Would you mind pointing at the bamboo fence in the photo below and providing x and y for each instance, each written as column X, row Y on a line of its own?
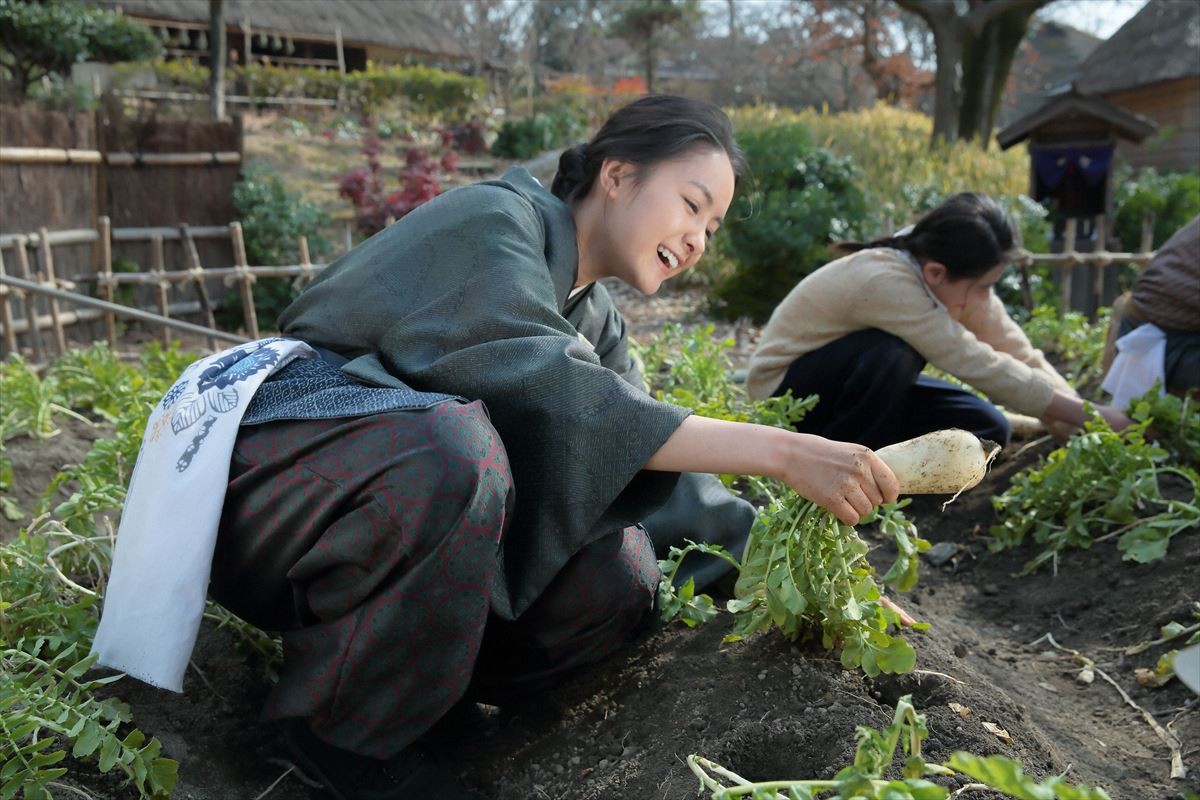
column 28, row 282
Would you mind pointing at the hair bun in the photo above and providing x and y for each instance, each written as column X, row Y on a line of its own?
column 572, row 171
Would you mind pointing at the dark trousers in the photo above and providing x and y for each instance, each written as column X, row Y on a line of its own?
column 371, row 544
column 872, row 392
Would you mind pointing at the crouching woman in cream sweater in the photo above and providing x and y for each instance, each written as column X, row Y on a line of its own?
column 859, row 330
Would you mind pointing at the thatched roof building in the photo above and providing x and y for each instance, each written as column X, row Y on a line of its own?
column 308, row 33
column 1159, row 43
column 1151, row 66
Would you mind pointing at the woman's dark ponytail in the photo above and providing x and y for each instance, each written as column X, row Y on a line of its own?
column 970, row 234
column 649, row 130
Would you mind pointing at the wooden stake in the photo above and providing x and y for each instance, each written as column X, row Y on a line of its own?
column 23, row 272
column 107, row 289
column 1098, row 267
column 47, row 259
column 305, row 277
column 10, row 336
column 158, row 261
column 1069, row 256
column 1147, row 245
column 245, row 280
column 194, row 267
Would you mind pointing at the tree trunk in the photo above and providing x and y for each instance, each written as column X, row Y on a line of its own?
column 987, row 60
column 948, row 45
column 649, row 61
column 216, row 38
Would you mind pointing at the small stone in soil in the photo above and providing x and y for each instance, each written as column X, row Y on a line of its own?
column 961, row 650
column 940, row 553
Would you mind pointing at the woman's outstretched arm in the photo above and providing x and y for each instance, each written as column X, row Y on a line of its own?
column 847, row 479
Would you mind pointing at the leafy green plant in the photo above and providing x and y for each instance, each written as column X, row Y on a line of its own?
column 803, row 571
column 53, row 574
column 46, row 703
column 1173, row 199
column 1175, row 420
column 1101, row 484
column 691, row 368
column 1071, row 340
column 864, row 779
column 682, row 601
column 552, row 127
column 273, row 220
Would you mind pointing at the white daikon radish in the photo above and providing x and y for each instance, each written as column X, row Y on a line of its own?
column 943, row 462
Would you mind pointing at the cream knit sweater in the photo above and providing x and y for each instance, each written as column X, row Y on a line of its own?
column 883, row 288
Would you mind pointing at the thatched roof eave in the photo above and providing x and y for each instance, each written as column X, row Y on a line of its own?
column 1075, row 105
column 396, row 24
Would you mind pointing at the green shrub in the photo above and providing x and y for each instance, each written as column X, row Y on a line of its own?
column 1173, row 199
column 797, row 199
column 557, row 126
column 273, row 219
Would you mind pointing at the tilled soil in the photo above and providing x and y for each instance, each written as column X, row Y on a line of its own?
column 768, row 708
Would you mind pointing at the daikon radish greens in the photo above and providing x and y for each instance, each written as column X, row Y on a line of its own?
column 803, row 570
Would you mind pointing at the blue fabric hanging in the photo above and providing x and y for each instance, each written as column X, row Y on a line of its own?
column 1053, row 164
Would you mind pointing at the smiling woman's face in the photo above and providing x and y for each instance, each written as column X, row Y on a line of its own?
column 660, row 221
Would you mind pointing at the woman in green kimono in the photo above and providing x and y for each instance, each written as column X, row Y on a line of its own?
column 420, row 558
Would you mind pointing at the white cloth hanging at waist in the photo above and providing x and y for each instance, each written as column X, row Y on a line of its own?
column 1139, row 363
column 163, row 555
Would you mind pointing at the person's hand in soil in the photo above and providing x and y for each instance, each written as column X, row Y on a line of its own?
column 1066, row 415
column 846, row 479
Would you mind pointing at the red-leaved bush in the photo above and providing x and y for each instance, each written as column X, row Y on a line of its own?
column 364, row 186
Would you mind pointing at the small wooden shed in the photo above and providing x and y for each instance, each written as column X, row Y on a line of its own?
column 1072, row 139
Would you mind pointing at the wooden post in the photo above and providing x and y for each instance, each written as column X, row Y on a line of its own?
column 341, row 59
column 10, row 336
column 347, row 238
column 35, row 335
column 1147, row 245
column 305, row 277
column 1099, row 266
column 1068, row 263
column 341, row 52
column 107, row 289
column 197, row 271
column 158, row 261
column 246, row 42
column 245, row 280
column 47, row 259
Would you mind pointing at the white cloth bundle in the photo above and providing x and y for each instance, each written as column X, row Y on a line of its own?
column 1139, row 363
column 164, row 550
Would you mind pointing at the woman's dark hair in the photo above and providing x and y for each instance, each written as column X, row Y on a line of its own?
column 970, row 234
column 649, row 130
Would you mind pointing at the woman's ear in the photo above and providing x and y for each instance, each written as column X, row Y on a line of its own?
column 614, row 173
column 934, row 272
